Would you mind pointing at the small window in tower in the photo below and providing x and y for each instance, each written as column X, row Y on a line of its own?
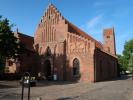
column 108, row 37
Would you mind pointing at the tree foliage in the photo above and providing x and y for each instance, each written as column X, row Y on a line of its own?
column 10, row 47
column 126, row 59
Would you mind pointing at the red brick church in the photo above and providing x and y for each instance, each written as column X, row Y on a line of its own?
column 71, row 54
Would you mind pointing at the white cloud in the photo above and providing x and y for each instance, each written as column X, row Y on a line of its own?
column 94, row 21
column 95, row 26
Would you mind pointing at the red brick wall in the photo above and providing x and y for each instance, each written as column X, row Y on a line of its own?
column 82, row 49
column 105, row 66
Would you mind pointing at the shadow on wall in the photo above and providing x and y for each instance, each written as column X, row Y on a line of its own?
column 60, row 67
column 60, row 64
column 70, row 73
column 29, row 62
column 105, row 66
column 32, row 63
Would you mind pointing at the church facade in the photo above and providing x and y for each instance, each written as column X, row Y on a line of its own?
column 71, row 54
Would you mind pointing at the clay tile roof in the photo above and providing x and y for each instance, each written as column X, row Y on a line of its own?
column 74, row 29
column 28, row 41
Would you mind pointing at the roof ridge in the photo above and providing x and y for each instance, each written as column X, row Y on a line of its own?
column 25, row 35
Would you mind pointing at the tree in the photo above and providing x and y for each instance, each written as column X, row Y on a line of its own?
column 126, row 60
column 122, row 63
column 128, row 51
column 10, row 47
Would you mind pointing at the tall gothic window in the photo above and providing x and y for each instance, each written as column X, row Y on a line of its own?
column 76, row 67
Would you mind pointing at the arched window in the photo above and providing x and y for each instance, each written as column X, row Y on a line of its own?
column 42, row 37
column 48, row 52
column 76, row 67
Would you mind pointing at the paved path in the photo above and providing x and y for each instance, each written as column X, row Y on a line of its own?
column 109, row 90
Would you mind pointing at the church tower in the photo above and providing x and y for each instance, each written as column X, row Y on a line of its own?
column 109, row 41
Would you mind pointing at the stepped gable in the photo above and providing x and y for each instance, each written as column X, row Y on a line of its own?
column 51, row 15
column 51, row 9
column 72, row 28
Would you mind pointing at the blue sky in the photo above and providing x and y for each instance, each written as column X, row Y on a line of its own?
column 92, row 16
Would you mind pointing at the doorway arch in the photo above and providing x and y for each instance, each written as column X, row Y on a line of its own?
column 76, row 67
